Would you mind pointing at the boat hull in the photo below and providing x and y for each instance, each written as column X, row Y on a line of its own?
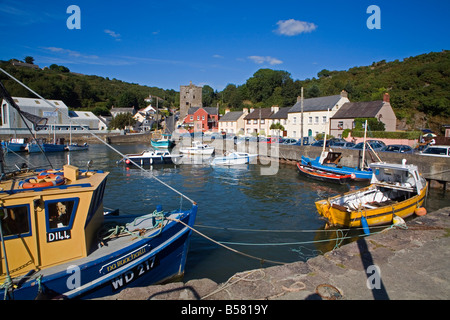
column 49, row 147
column 161, row 144
column 338, row 216
column 142, row 161
column 145, row 262
column 232, row 160
column 323, row 175
column 77, row 147
column 360, row 175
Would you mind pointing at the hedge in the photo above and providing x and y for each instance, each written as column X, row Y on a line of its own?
column 409, row 135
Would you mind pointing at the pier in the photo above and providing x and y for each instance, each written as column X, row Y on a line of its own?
column 406, row 263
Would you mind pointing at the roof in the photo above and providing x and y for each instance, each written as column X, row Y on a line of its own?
column 231, row 116
column 366, row 109
column 209, row 110
column 33, row 102
column 82, row 115
column 281, row 114
column 316, row 104
column 263, row 113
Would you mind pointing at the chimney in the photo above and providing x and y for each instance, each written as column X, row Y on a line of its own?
column 245, row 110
column 252, row 109
column 275, row 108
column 227, row 110
column 299, row 99
column 344, row 94
column 386, row 97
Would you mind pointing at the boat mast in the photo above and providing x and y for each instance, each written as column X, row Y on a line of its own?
column 364, row 145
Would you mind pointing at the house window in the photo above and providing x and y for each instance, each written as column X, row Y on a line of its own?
column 262, row 121
column 203, row 117
column 324, row 119
column 295, row 120
column 249, row 121
column 294, row 134
column 309, row 120
column 192, row 118
column 316, row 120
column 255, row 121
column 341, row 125
column 198, row 117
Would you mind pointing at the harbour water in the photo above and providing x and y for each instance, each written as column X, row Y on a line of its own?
column 266, row 219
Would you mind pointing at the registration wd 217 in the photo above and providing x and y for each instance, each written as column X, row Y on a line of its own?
column 227, row 309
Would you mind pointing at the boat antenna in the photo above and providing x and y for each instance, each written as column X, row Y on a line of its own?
column 100, row 139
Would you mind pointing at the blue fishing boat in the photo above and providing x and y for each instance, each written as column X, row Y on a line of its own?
column 329, row 161
column 14, row 145
column 52, row 147
column 71, row 249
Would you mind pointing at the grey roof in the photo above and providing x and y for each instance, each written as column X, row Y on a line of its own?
column 209, row 110
column 281, row 114
column 231, row 116
column 366, row 109
column 316, row 104
column 263, row 113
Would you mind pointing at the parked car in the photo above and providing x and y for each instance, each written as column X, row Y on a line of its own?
column 436, row 151
column 271, row 140
column 343, row 145
column 319, row 143
column 375, row 144
column 399, row 148
column 289, row 141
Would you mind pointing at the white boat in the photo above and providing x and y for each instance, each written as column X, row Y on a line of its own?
column 77, row 147
column 198, row 148
column 151, row 157
column 234, row 158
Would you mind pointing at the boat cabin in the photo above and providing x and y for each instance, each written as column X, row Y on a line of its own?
column 45, row 225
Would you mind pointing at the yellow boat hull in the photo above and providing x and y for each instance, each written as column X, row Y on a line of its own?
column 340, row 216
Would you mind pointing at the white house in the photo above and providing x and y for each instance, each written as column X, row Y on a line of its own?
column 233, row 121
column 316, row 115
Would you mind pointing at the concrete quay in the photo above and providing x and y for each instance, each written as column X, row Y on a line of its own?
column 410, row 263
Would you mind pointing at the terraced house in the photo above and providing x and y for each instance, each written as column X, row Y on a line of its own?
column 316, row 115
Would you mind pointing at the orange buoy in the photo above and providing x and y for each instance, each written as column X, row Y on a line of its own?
column 421, row 211
column 40, row 183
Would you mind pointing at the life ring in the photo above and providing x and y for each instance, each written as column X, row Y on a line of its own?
column 28, row 184
column 47, row 174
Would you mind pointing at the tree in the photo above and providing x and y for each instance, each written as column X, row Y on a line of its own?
column 29, row 60
column 122, row 120
column 127, row 100
column 277, row 126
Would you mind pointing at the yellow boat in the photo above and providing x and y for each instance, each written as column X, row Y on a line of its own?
column 395, row 190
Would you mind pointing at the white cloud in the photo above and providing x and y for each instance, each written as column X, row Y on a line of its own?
column 113, row 34
column 293, row 27
column 260, row 60
column 70, row 53
column 218, row 56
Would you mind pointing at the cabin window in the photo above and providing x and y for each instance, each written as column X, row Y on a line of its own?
column 15, row 221
column 60, row 213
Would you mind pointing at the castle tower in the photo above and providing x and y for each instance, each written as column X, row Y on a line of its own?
column 190, row 96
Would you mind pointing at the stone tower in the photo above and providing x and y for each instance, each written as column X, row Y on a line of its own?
column 190, row 96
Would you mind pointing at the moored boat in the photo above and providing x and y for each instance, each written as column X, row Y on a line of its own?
column 151, row 157
column 329, row 161
column 77, row 147
column 234, row 158
column 395, row 190
column 14, row 145
column 198, row 148
column 323, row 175
column 164, row 142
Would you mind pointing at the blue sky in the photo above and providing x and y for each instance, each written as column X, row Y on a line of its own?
column 169, row 43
